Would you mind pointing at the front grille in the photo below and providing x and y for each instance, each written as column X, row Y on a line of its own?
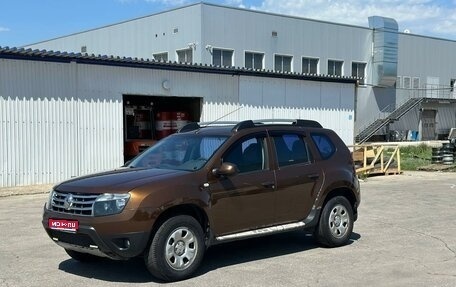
column 73, row 203
column 72, row 238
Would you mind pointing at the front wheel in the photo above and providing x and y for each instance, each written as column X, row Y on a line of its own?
column 177, row 249
column 336, row 223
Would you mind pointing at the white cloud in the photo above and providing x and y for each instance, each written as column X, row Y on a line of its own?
column 237, row 3
column 4, row 29
column 425, row 17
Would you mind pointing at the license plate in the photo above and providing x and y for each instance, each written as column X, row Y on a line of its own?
column 62, row 224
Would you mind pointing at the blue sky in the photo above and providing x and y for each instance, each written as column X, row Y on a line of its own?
column 25, row 22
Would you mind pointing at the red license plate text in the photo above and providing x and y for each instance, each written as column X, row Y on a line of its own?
column 62, row 224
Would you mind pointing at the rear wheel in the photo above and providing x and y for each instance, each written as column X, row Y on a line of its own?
column 336, row 223
column 82, row 257
column 177, row 249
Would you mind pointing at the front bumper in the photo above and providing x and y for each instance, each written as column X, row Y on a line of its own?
column 88, row 239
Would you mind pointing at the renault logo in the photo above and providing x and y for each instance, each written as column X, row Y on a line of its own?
column 68, row 201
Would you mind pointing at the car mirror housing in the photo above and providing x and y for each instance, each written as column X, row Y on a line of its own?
column 226, row 169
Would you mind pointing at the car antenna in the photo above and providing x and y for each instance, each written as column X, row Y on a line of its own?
column 216, row 120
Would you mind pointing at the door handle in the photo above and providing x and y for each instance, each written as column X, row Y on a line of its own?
column 313, row 176
column 268, row 184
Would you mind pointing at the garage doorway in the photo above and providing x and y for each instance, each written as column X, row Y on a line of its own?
column 148, row 119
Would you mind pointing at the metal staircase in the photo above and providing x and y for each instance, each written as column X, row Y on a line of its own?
column 370, row 130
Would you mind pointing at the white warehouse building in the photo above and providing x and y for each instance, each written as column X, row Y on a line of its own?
column 64, row 115
column 407, row 81
column 69, row 108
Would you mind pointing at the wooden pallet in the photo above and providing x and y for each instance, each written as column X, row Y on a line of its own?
column 373, row 160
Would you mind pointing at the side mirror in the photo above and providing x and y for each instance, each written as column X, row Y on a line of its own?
column 127, row 163
column 227, row 169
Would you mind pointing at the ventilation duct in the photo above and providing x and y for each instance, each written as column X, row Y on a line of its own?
column 385, row 50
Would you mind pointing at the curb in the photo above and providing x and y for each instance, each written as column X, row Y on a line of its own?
column 25, row 190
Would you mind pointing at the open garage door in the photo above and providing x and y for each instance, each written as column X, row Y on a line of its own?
column 148, row 119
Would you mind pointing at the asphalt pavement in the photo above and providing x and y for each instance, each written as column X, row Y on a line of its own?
column 405, row 236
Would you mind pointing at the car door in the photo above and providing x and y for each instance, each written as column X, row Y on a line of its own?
column 298, row 179
column 245, row 200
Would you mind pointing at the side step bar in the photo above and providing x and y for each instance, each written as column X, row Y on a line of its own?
column 262, row 231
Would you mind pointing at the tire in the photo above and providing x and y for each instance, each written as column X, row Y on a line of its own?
column 336, row 223
column 82, row 257
column 176, row 250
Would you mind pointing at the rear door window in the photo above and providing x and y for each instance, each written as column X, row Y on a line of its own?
column 290, row 149
column 324, row 145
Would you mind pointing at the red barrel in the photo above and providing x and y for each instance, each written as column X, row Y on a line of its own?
column 180, row 119
column 163, row 124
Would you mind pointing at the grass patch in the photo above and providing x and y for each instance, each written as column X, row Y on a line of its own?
column 413, row 157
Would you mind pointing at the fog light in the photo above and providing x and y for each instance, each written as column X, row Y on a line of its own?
column 127, row 243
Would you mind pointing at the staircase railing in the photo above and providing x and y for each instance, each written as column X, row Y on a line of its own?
column 381, row 115
column 393, row 116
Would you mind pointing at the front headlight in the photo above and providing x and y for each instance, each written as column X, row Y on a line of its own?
column 108, row 203
column 49, row 201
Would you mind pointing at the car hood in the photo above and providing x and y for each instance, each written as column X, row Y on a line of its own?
column 116, row 181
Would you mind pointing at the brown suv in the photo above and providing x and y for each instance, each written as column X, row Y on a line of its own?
column 207, row 185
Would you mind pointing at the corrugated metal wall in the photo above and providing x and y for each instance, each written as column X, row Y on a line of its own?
column 332, row 104
column 50, row 130
column 58, row 121
column 244, row 30
column 161, row 32
column 62, row 120
column 445, row 118
column 425, row 58
column 428, row 60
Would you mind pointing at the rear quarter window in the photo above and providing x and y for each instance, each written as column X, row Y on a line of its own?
column 324, row 145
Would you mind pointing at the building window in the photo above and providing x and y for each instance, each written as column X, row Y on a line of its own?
column 309, row 65
column 161, row 57
column 282, row 63
column 407, row 84
column 359, row 71
column 254, row 60
column 185, row 56
column 335, row 67
column 416, row 83
column 398, row 83
column 222, row 57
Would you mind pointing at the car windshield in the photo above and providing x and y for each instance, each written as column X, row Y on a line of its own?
column 180, row 152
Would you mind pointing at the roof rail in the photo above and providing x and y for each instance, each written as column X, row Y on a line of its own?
column 195, row 126
column 296, row 122
column 250, row 124
column 308, row 123
column 219, row 123
column 243, row 125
